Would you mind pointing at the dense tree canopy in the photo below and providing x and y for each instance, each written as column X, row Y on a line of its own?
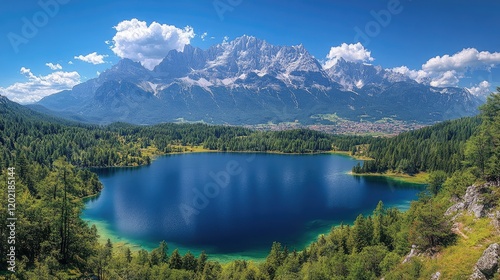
column 438, row 147
column 51, row 158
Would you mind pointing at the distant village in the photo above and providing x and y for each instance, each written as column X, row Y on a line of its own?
column 384, row 128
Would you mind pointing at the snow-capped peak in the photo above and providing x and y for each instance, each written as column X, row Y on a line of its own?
column 228, row 61
column 352, row 75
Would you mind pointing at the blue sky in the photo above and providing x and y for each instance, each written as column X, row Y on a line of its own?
column 51, row 45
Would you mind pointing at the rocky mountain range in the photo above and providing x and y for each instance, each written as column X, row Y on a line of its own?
column 249, row 81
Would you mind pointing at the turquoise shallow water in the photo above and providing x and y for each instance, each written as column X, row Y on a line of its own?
column 234, row 205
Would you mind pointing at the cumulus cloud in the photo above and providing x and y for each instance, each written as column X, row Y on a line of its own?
column 27, row 72
column 136, row 40
column 481, row 90
column 53, row 66
column 349, row 52
column 417, row 75
column 92, row 58
column 37, row 87
column 447, row 70
column 462, row 61
column 449, row 78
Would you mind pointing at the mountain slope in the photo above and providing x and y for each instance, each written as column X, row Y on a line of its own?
column 249, row 81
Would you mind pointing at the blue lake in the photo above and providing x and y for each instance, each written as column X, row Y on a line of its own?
column 234, row 205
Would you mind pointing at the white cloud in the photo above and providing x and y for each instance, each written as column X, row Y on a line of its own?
column 70, row 62
column 27, row 72
column 482, row 89
column 419, row 76
column 352, row 53
column 449, row 78
column 203, row 36
column 136, row 40
column 38, row 87
column 462, row 61
column 93, row 58
column 447, row 70
column 53, row 66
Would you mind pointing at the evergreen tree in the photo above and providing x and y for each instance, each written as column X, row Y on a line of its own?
column 175, row 261
column 430, row 227
column 202, row 260
column 160, row 255
column 189, row 262
column 436, row 181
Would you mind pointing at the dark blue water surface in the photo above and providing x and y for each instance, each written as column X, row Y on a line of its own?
column 237, row 203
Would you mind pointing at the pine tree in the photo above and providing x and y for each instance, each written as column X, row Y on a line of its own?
column 175, row 261
column 189, row 262
column 202, row 260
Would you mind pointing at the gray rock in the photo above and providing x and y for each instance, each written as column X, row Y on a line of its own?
column 477, row 275
column 455, row 208
column 488, row 262
column 413, row 252
column 436, row 276
column 495, row 219
column 472, row 202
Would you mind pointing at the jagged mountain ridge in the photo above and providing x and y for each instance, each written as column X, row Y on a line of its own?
column 354, row 76
column 249, row 81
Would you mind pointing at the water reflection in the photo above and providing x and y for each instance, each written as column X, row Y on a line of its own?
column 273, row 198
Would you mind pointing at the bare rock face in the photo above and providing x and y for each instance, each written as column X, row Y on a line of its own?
column 488, row 263
column 455, row 208
column 477, row 275
column 472, row 202
column 495, row 219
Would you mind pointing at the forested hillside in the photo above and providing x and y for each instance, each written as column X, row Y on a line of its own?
column 50, row 157
column 36, row 138
column 438, row 147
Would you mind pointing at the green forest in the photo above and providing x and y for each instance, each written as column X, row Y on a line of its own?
column 51, row 160
column 439, row 147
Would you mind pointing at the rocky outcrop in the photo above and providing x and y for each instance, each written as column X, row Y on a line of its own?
column 472, row 201
column 478, row 202
column 477, row 275
column 487, row 265
column 413, row 252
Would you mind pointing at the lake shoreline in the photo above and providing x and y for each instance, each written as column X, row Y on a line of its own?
column 420, row 178
column 200, row 149
column 135, row 245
